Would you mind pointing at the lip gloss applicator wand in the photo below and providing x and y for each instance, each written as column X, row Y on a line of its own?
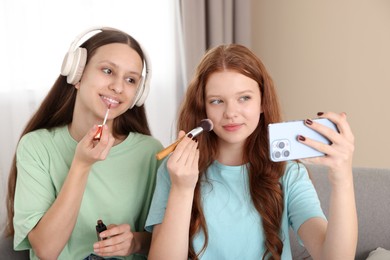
column 100, row 127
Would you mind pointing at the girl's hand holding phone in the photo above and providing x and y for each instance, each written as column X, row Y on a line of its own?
column 339, row 154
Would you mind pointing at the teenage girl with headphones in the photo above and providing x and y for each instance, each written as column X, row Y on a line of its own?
column 62, row 180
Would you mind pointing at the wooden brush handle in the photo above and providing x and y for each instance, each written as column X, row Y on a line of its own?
column 163, row 153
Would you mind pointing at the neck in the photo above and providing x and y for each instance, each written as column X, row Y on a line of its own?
column 230, row 154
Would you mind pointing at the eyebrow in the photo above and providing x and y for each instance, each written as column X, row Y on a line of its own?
column 238, row 93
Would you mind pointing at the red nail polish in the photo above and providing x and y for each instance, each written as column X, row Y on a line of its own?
column 301, row 138
column 320, row 113
column 309, row 122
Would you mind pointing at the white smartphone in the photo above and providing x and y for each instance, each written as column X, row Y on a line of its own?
column 283, row 143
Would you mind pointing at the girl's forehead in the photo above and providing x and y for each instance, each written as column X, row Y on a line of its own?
column 230, row 81
column 119, row 54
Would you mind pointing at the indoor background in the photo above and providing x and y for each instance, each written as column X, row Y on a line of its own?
column 331, row 55
column 323, row 55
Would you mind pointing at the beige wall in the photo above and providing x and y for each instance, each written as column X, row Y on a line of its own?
column 331, row 55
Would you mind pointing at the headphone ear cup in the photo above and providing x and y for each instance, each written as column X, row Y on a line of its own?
column 143, row 93
column 67, row 64
column 73, row 65
column 139, row 93
column 143, row 90
column 79, row 61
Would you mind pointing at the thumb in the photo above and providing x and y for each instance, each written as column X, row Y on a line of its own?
column 181, row 134
column 111, row 226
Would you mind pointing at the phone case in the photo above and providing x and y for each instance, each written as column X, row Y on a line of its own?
column 283, row 143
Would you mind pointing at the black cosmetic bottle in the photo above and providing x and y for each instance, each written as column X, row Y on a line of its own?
column 100, row 227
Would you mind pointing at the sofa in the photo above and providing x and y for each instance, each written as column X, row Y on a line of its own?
column 372, row 194
column 372, row 191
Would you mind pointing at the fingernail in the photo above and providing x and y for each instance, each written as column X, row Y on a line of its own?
column 301, row 138
column 320, row 113
column 309, row 122
column 189, row 135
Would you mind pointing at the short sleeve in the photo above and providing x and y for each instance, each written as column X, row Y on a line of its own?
column 34, row 189
column 300, row 196
column 160, row 197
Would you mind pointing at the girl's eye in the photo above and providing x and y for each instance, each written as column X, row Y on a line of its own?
column 131, row 80
column 245, row 98
column 216, row 101
column 107, row 71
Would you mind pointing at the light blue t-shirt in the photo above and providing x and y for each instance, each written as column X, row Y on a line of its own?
column 234, row 226
column 118, row 191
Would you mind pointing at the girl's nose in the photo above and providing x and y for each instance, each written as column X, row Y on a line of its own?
column 230, row 110
column 116, row 86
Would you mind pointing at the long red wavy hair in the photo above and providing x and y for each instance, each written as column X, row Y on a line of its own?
column 264, row 175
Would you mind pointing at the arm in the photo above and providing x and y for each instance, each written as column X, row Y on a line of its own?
column 171, row 238
column 62, row 215
column 336, row 239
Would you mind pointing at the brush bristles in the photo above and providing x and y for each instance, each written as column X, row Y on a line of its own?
column 206, row 124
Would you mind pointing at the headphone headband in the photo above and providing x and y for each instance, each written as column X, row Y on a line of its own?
column 76, row 58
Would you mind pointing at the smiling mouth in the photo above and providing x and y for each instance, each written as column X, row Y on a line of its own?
column 110, row 101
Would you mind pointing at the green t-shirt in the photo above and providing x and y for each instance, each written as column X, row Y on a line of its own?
column 119, row 189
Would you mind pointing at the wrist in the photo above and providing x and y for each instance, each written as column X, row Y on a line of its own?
column 182, row 192
column 341, row 178
column 80, row 167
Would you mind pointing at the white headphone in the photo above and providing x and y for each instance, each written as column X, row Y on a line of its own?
column 75, row 60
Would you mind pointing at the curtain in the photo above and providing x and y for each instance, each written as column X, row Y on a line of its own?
column 37, row 34
column 207, row 23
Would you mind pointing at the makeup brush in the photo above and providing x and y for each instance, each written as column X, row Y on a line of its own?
column 205, row 125
column 100, row 127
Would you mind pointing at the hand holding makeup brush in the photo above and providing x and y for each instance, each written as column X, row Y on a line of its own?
column 205, row 125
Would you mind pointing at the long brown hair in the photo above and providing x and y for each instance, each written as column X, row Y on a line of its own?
column 264, row 175
column 57, row 108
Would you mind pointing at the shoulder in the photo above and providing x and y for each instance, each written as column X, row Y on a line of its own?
column 294, row 172
column 43, row 140
column 147, row 140
column 35, row 135
column 33, row 146
column 35, row 139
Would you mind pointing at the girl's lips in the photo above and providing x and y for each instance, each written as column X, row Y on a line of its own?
column 231, row 128
column 110, row 101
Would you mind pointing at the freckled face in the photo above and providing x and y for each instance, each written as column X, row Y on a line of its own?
column 233, row 104
column 111, row 77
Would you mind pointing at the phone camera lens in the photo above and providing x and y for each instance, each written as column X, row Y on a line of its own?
column 286, row 153
column 277, row 154
column 281, row 145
